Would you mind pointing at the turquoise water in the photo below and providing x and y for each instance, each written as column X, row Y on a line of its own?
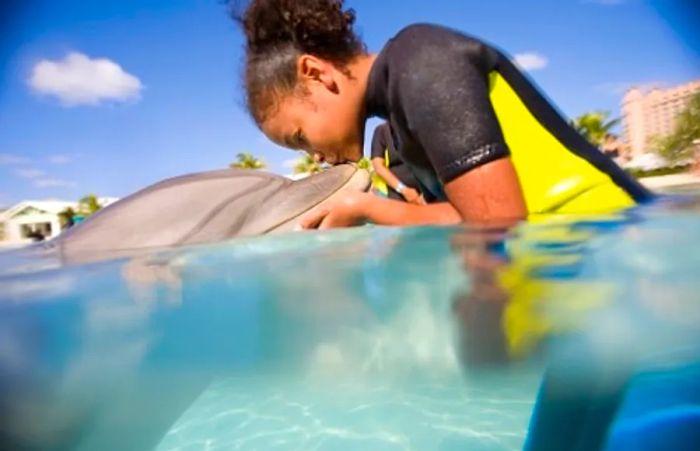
column 576, row 331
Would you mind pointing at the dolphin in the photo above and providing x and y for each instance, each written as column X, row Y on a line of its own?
column 202, row 208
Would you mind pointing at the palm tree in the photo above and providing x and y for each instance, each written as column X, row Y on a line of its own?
column 89, row 205
column 594, row 126
column 66, row 216
column 684, row 142
column 307, row 165
column 245, row 160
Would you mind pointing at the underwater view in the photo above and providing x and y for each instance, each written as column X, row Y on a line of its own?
column 349, row 225
column 567, row 333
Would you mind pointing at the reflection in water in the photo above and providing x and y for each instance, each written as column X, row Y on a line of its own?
column 525, row 286
column 555, row 292
column 480, row 311
column 422, row 338
column 526, row 292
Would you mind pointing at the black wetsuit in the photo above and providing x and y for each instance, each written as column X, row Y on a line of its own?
column 383, row 143
column 432, row 85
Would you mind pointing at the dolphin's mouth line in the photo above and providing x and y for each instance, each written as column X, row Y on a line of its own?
column 344, row 186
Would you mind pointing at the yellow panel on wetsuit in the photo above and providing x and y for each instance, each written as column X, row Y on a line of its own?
column 378, row 183
column 553, row 178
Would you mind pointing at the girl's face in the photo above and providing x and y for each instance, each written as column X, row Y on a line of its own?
column 325, row 118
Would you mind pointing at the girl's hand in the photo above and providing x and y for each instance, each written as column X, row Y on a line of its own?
column 347, row 211
column 412, row 196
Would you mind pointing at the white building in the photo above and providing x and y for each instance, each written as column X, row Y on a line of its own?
column 24, row 222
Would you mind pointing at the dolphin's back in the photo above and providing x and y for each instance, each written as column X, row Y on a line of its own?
column 201, row 208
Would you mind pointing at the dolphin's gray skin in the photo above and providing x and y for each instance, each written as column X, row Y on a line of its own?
column 204, row 208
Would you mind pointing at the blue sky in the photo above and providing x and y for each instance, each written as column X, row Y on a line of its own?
column 164, row 98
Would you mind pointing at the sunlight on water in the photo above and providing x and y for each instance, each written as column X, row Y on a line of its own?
column 372, row 338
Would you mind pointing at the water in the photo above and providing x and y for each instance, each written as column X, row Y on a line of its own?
column 572, row 332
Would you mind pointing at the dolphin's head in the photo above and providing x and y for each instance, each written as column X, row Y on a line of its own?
column 283, row 209
column 204, row 208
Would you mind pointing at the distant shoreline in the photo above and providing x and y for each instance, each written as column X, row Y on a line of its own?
column 671, row 181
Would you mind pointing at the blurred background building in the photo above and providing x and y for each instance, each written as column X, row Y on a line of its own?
column 652, row 113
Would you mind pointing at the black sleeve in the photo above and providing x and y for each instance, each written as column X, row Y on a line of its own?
column 444, row 94
column 379, row 143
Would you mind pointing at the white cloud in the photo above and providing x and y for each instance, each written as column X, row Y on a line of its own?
column 30, row 173
column 79, row 80
column 60, row 159
column 53, row 183
column 8, row 159
column 530, row 61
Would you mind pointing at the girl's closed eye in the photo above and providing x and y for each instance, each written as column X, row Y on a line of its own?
column 300, row 140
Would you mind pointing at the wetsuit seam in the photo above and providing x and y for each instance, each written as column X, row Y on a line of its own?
column 479, row 156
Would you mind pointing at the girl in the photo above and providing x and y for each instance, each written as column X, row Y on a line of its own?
column 484, row 144
column 396, row 181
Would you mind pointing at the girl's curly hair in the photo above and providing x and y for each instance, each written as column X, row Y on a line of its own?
column 278, row 32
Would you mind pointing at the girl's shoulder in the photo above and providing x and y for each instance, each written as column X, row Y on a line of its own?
column 427, row 33
column 422, row 42
column 425, row 47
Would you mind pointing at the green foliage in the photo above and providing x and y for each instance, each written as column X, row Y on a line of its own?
column 307, row 165
column 683, row 142
column 594, row 126
column 66, row 217
column 641, row 173
column 365, row 163
column 88, row 205
column 245, row 160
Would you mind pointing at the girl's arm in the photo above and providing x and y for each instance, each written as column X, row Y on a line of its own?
column 410, row 194
column 357, row 208
column 488, row 192
column 385, row 173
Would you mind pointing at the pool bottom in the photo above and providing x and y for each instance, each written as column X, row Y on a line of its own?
column 250, row 413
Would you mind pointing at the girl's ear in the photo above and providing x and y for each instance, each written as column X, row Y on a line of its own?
column 311, row 69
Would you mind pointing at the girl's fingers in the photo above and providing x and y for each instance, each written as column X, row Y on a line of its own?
column 314, row 219
column 325, row 223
